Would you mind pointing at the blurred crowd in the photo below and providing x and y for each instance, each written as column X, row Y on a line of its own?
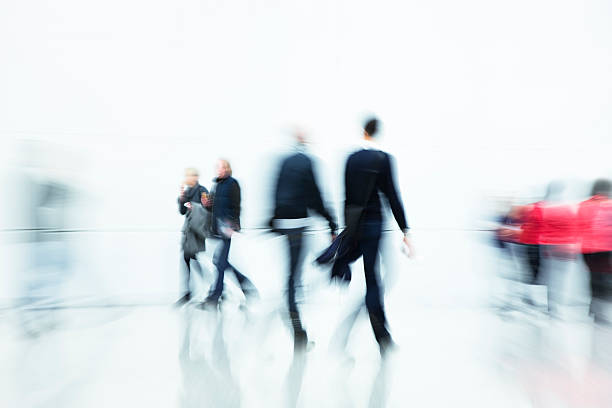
column 548, row 238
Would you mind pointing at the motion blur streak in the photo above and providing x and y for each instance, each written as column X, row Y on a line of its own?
column 496, row 117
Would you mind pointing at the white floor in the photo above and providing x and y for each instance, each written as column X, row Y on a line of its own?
column 160, row 356
column 456, row 348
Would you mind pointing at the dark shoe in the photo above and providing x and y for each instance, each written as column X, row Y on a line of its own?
column 209, row 304
column 387, row 347
column 183, row 300
column 251, row 294
column 301, row 343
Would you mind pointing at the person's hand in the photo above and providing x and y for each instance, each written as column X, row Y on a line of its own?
column 333, row 236
column 207, row 201
column 503, row 233
column 408, row 246
column 188, row 205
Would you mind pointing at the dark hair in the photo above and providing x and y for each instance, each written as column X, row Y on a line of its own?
column 371, row 126
column 601, row 187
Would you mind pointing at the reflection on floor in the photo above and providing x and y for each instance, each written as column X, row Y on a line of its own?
column 161, row 356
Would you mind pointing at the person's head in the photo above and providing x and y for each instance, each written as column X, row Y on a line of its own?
column 602, row 187
column 300, row 136
column 223, row 168
column 370, row 128
column 191, row 176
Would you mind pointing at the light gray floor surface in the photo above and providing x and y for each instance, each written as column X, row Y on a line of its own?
column 161, row 356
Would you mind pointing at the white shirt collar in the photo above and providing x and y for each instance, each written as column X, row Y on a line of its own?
column 370, row 145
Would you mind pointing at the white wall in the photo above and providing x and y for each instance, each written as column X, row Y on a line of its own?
column 476, row 96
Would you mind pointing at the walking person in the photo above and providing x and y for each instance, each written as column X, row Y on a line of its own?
column 191, row 194
column 224, row 204
column 531, row 225
column 595, row 234
column 531, row 229
column 295, row 193
column 369, row 172
column 548, row 237
column 558, row 240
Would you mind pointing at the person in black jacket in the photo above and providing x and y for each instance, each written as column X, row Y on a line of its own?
column 364, row 167
column 191, row 191
column 224, row 204
column 296, row 192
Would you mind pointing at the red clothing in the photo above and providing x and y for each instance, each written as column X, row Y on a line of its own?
column 508, row 234
column 595, row 224
column 532, row 223
column 558, row 225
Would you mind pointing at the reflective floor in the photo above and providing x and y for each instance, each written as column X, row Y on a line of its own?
column 163, row 356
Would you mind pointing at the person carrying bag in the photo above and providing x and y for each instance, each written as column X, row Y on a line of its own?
column 347, row 239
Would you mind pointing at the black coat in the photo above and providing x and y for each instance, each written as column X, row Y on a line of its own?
column 225, row 204
column 297, row 191
column 359, row 168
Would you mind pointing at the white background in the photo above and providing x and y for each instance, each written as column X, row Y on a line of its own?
column 117, row 97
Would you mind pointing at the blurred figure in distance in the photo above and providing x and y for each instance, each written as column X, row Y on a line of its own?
column 224, row 204
column 558, row 243
column 595, row 233
column 190, row 192
column 297, row 192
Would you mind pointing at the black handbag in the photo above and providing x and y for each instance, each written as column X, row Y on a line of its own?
column 347, row 239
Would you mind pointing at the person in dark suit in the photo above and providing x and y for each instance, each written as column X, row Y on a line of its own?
column 224, row 203
column 191, row 191
column 297, row 192
column 364, row 167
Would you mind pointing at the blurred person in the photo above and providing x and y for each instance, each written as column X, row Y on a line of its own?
column 558, row 242
column 505, row 229
column 296, row 192
column 531, row 227
column 50, row 256
column 224, row 205
column 506, row 235
column 595, row 234
column 508, row 231
column 368, row 171
column 191, row 192
column 531, row 223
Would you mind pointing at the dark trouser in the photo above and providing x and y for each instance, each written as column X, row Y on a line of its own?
column 367, row 245
column 187, row 275
column 221, row 263
column 295, row 239
column 600, row 271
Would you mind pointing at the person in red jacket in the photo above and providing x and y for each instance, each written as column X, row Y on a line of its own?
column 529, row 237
column 558, row 241
column 595, row 235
